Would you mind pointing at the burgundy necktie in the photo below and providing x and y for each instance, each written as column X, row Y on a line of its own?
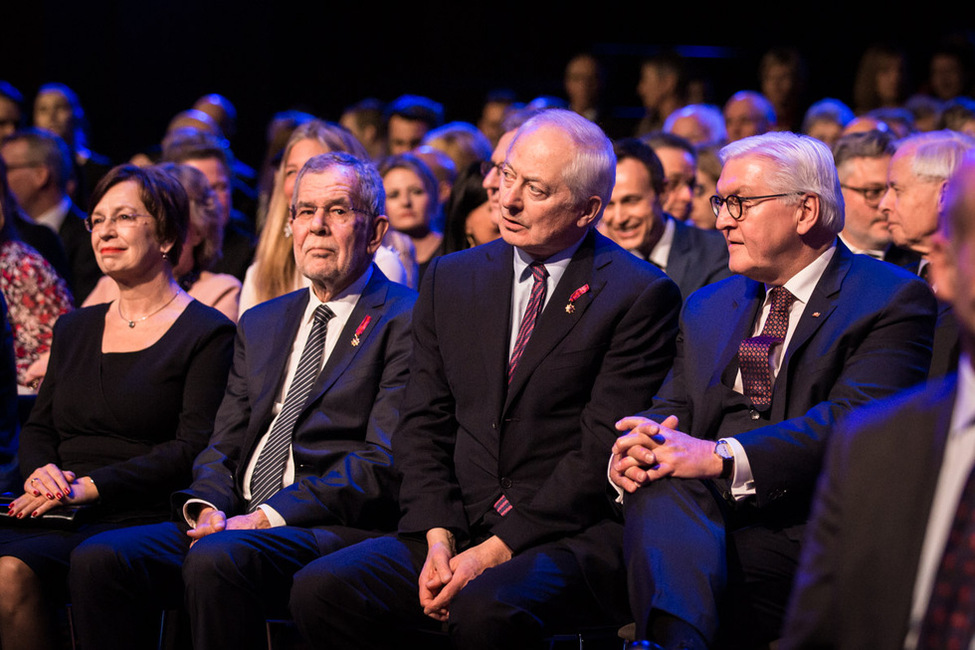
column 950, row 619
column 535, row 303
column 753, row 353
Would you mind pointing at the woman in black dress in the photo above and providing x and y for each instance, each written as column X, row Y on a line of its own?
column 128, row 401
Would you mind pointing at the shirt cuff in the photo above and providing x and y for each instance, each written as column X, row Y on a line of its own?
column 742, row 481
column 272, row 515
column 192, row 508
column 619, row 490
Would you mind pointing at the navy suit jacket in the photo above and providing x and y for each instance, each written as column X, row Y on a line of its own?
column 697, row 258
column 855, row 584
column 865, row 334
column 467, row 438
column 342, row 438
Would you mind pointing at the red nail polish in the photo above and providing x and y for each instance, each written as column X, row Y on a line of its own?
column 49, row 496
column 36, row 493
column 58, row 495
column 20, row 516
column 33, row 514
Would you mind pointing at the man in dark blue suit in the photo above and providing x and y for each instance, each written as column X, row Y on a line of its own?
column 526, row 350
column 893, row 487
column 719, row 472
column 636, row 221
column 300, row 462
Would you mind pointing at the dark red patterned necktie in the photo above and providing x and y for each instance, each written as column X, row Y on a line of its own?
column 535, row 303
column 950, row 619
column 753, row 353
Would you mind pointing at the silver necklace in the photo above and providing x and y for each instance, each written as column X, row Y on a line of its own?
column 139, row 320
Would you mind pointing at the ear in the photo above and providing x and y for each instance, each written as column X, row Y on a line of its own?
column 807, row 213
column 942, row 195
column 943, row 267
column 591, row 209
column 378, row 228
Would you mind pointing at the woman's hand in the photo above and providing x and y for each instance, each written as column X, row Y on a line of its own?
column 35, row 502
column 49, row 482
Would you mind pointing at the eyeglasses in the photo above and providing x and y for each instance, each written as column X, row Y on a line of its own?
column 122, row 220
column 734, row 202
column 336, row 215
column 869, row 194
column 488, row 165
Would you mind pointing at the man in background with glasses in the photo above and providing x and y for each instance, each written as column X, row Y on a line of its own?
column 718, row 473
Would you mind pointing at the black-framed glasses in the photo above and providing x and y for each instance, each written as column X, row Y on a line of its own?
column 869, row 194
column 735, row 202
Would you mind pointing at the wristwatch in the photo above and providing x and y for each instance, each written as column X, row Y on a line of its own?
column 723, row 451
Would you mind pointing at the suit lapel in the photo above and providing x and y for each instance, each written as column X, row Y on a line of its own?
column 491, row 284
column 369, row 306
column 681, row 255
column 555, row 322
column 742, row 312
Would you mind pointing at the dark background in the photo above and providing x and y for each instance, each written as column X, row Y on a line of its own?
column 136, row 64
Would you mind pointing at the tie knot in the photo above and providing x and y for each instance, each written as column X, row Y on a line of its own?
column 323, row 314
column 539, row 272
column 781, row 299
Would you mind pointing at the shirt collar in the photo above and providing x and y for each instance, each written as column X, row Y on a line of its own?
column 802, row 284
column 344, row 302
column 560, row 260
column 661, row 250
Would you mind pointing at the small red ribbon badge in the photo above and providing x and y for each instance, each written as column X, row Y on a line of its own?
column 359, row 330
column 571, row 307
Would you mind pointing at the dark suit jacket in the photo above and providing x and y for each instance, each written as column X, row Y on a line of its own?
column 544, row 442
column 697, row 258
column 855, row 584
column 81, row 257
column 865, row 334
column 341, row 441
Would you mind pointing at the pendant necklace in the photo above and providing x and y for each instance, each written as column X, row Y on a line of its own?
column 139, row 320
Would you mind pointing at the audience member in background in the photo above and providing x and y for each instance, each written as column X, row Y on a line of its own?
column 461, row 141
column 364, row 120
column 412, row 201
column 635, row 219
column 959, row 115
column 469, row 219
column 782, row 80
column 36, row 295
column 662, row 90
column 11, row 109
column 408, row 119
column 916, row 182
column 39, row 170
column 900, row 120
column 881, row 79
column 495, row 109
column 274, row 271
column 679, row 159
column 826, row 119
column 209, row 154
column 708, row 172
column 57, row 109
column 862, row 160
column 583, row 83
column 748, row 113
column 950, row 69
column 279, row 131
column 699, row 124
column 926, row 111
column 128, row 401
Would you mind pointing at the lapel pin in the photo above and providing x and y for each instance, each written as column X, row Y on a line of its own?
column 815, row 314
column 571, row 307
column 359, row 330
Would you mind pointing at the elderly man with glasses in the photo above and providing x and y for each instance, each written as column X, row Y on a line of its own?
column 718, row 473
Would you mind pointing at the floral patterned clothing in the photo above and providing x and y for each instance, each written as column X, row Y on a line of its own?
column 36, row 296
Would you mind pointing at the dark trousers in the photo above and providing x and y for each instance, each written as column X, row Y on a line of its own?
column 691, row 554
column 230, row 582
column 366, row 596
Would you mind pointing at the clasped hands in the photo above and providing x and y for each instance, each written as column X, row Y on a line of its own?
column 49, row 487
column 649, row 451
column 446, row 572
column 210, row 520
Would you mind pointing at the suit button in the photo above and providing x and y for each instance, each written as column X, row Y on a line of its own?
column 753, row 414
column 494, row 425
column 506, row 483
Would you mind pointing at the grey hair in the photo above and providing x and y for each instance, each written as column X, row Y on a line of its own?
column 368, row 191
column 592, row 171
column 802, row 164
column 937, row 154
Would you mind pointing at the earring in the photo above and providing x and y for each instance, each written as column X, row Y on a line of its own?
column 287, row 231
